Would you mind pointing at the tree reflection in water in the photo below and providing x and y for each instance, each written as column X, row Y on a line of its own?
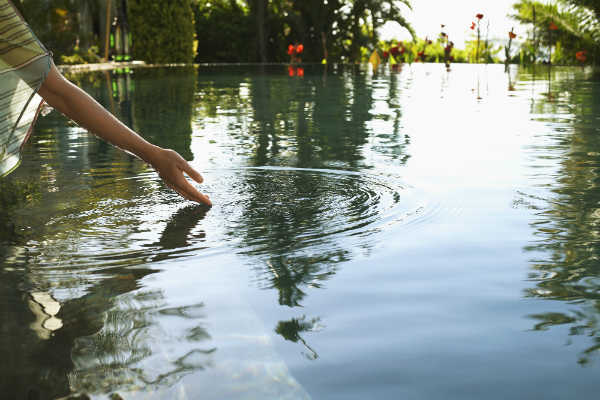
column 292, row 224
column 76, row 312
column 290, row 330
column 104, row 339
column 566, row 213
column 76, row 316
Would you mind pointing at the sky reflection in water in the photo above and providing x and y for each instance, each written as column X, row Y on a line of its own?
column 402, row 234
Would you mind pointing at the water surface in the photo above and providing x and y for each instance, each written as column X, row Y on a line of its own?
column 420, row 234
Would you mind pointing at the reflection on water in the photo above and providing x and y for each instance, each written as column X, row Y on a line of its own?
column 103, row 339
column 93, row 231
column 111, row 283
column 290, row 330
column 302, row 223
column 102, row 333
column 565, row 204
column 75, row 317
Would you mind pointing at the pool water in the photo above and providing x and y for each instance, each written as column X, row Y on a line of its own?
column 413, row 234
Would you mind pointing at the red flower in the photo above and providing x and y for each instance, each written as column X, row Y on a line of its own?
column 553, row 26
column 394, row 50
column 291, row 71
column 402, row 49
column 512, row 35
column 300, row 71
column 291, row 49
column 479, row 16
column 472, row 25
column 386, row 54
column 581, row 56
column 299, row 48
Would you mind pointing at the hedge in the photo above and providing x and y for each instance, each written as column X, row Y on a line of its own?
column 162, row 31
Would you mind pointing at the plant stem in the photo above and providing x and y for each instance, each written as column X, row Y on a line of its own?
column 534, row 38
column 477, row 50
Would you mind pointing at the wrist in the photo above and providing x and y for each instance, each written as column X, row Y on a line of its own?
column 150, row 153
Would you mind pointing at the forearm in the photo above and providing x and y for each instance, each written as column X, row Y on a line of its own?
column 83, row 109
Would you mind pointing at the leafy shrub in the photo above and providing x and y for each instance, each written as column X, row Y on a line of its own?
column 55, row 23
column 79, row 57
column 163, row 31
column 224, row 30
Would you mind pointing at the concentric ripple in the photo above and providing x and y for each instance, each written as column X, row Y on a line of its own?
column 312, row 215
column 275, row 210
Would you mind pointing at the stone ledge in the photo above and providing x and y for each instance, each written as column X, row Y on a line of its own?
column 100, row 66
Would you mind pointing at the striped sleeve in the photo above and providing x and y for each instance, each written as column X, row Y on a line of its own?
column 24, row 64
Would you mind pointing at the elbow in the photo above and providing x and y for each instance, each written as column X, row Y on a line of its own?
column 54, row 89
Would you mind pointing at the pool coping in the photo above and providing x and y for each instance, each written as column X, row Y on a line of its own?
column 76, row 68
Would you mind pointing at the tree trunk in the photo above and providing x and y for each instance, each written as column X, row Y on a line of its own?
column 260, row 12
column 358, row 12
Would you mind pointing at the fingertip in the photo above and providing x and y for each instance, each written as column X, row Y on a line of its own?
column 205, row 200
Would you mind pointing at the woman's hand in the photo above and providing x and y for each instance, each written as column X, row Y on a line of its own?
column 170, row 167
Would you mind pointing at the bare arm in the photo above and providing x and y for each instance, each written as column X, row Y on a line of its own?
column 83, row 109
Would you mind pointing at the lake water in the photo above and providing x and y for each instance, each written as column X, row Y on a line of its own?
column 416, row 234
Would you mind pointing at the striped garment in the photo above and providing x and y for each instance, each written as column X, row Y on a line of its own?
column 24, row 64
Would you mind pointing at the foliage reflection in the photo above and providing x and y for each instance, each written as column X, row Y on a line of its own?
column 80, row 247
column 76, row 315
column 566, row 214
